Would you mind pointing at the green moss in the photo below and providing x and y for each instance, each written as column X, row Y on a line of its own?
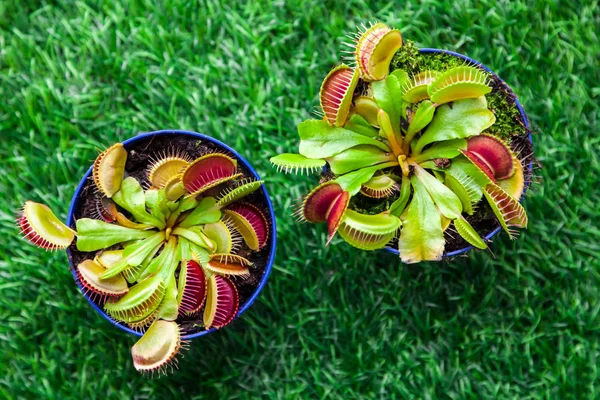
column 370, row 206
column 508, row 117
column 411, row 60
column 500, row 100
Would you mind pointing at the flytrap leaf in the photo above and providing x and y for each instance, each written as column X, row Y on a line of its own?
column 386, row 94
column 157, row 203
column 494, row 153
column 89, row 274
column 251, row 223
column 467, row 232
column 415, row 89
column 169, row 307
column 367, row 108
column 207, row 172
column 225, row 237
column 374, row 50
column 234, row 194
column 108, row 258
column 134, row 254
column 398, row 206
column 516, row 183
column 445, row 149
column 423, row 116
column 163, row 169
column 446, row 201
column 109, row 169
column 174, row 188
column 353, row 181
column 460, row 191
column 507, row 209
column 222, row 302
column 294, row 163
column 368, row 232
column 195, row 235
column 206, row 212
column 336, row 94
column 470, row 176
column 379, row 187
column 358, row 157
column 131, row 197
column 463, row 119
column 192, row 288
column 157, row 348
column 141, row 300
column 42, row 228
column 93, row 235
column 318, row 139
column 422, row 236
column 336, row 213
column 106, row 209
column 318, row 202
column 464, row 82
column 228, row 264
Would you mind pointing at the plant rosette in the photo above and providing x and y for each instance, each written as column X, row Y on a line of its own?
column 170, row 235
column 423, row 152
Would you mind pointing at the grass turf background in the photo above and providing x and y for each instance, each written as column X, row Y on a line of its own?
column 331, row 322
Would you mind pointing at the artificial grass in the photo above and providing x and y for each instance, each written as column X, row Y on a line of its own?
column 332, row 322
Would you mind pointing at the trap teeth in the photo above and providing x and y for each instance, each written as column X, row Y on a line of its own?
column 335, row 214
column 158, row 347
column 106, row 210
column 494, row 153
column 89, row 273
column 251, row 223
column 415, row 89
column 318, row 202
column 207, row 172
column 464, row 82
column 375, row 49
column 109, row 169
column 379, row 187
column 192, row 288
column 222, row 302
column 336, row 94
column 42, row 228
column 163, row 170
column 229, row 265
column 368, row 232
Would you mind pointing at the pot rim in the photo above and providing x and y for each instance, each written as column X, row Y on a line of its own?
column 493, row 233
column 272, row 240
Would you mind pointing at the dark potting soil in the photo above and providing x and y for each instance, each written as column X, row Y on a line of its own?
column 509, row 126
column 140, row 155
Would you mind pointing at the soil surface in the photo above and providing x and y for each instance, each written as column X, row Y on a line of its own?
column 140, row 155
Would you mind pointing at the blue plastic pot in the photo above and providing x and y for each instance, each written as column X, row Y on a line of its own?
column 525, row 120
column 196, row 136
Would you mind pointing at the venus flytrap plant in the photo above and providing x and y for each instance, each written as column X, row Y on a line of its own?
column 417, row 145
column 162, row 254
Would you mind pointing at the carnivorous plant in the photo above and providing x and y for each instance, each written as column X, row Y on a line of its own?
column 163, row 252
column 419, row 141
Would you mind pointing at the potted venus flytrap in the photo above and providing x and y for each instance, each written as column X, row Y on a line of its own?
column 420, row 152
column 167, row 237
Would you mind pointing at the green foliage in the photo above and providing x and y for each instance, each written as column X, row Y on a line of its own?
column 462, row 119
column 318, row 139
column 421, row 237
column 95, row 235
column 429, row 116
